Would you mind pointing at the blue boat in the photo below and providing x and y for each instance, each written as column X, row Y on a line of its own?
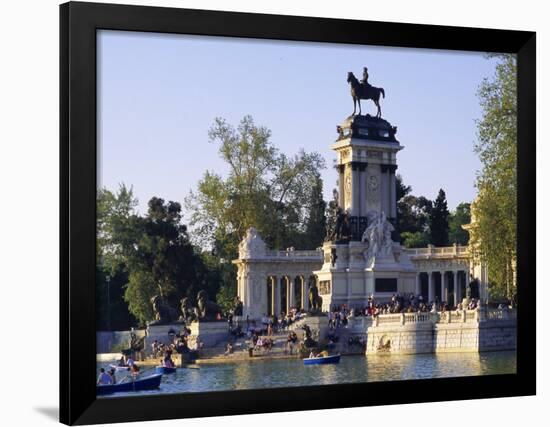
column 324, row 360
column 148, row 383
column 165, row 370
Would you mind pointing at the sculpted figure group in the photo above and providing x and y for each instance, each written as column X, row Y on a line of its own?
column 378, row 235
column 206, row 310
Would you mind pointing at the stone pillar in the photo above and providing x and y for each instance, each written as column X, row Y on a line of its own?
column 458, row 293
column 431, row 287
column 418, row 289
column 291, row 296
column 305, row 294
column 443, row 286
column 273, row 294
column 354, row 200
column 393, row 196
column 277, row 296
column 385, row 189
column 341, row 185
column 362, row 176
column 467, row 275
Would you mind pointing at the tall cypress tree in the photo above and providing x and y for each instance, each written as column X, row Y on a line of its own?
column 316, row 221
column 439, row 221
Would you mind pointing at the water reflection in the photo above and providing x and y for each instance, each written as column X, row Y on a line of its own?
column 351, row 369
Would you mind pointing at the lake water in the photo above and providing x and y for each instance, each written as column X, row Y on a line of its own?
column 351, row 369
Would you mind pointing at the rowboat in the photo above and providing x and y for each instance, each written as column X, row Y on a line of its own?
column 324, row 360
column 165, row 370
column 149, row 383
column 120, row 368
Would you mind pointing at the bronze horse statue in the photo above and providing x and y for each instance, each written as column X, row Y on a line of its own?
column 361, row 91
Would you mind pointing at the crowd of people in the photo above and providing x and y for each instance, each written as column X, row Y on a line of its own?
column 399, row 303
column 108, row 376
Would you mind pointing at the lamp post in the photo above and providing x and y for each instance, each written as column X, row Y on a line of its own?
column 108, row 280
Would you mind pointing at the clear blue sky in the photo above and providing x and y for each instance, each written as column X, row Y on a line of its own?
column 159, row 94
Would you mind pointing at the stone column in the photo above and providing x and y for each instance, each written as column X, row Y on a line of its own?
column 291, row 297
column 458, row 293
column 431, row 287
column 277, row 298
column 444, row 285
column 362, row 176
column 393, row 197
column 305, row 294
column 385, row 188
column 467, row 274
column 354, row 206
column 418, row 289
column 273, row 294
column 341, row 185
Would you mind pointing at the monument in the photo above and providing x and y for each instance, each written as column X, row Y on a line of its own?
column 361, row 259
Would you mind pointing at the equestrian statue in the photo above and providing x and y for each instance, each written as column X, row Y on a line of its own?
column 364, row 90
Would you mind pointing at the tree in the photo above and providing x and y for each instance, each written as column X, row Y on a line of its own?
column 413, row 214
column 114, row 211
column 277, row 194
column 493, row 232
column 264, row 189
column 315, row 228
column 415, row 240
column 439, row 221
column 162, row 260
column 114, row 232
column 458, row 218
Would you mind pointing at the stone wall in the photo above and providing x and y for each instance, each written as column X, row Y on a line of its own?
column 460, row 331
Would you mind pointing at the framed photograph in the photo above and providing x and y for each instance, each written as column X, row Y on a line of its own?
column 267, row 213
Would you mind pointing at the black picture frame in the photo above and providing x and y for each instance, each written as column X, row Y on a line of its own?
column 78, row 25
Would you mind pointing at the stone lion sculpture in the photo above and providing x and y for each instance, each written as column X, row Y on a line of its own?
column 315, row 300
column 207, row 310
column 163, row 312
column 188, row 313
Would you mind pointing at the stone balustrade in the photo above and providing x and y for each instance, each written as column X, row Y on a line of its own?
column 432, row 251
column 317, row 254
column 458, row 316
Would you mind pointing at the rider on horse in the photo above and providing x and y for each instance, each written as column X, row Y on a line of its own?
column 365, row 80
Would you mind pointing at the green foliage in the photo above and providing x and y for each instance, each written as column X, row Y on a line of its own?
column 439, row 221
column 495, row 210
column 226, row 296
column 279, row 195
column 415, row 240
column 413, row 215
column 112, row 310
column 458, row 218
column 163, row 261
column 264, row 189
column 315, row 220
column 114, row 230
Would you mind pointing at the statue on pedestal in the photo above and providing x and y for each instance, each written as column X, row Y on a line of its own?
column 315, row 300
column 207, row 310
column 364, row 90
column 237, row 307
column 163, row 312
column 188, row 314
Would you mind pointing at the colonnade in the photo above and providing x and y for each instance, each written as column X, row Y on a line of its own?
column 286, row 292
column 444, row 285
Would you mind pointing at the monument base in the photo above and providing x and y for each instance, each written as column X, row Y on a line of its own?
column 209, row 334
column 350, row 275
column 162, row 333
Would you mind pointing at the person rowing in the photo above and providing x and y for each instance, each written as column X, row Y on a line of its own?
column 168, row 362
column 104, row 378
